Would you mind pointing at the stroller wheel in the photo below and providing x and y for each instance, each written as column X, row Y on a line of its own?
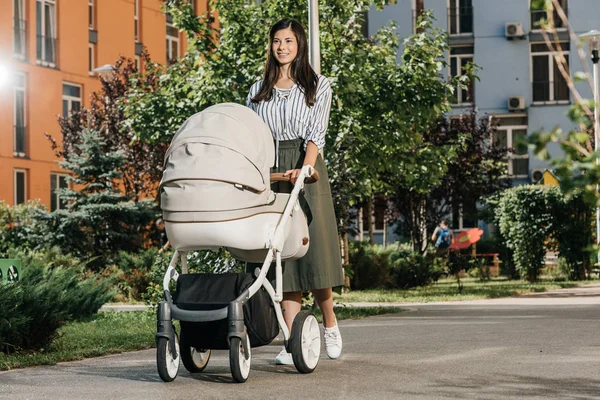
column 240, row 365
column 194, row 360
column 167, row 365
column 305, row 342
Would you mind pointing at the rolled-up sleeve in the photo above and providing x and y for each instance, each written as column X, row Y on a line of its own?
column 319, row 119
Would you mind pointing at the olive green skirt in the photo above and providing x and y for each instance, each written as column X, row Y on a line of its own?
column 321, row 267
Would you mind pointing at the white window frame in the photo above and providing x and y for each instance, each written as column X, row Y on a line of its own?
column 550, row 55
column 92, row 8
column 509, row 143
column 24, row 172
column 170, row 41
column 72, row 99
column 560, row 29
column 136, row 20
column 457, row 21
column 22, row 89
column 21, row 30
column 91, row 58
column 459, row 90
column 57, row 176
column 43, row 30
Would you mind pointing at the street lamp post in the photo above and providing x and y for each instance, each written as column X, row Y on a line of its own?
column 593, row 39
column 314, row 47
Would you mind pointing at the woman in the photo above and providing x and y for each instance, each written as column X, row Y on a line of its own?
column 294, row 102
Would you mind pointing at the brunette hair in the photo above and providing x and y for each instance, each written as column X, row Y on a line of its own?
column 301, row 72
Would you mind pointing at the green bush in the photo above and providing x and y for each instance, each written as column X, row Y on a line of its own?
column 50, row 292
column 394, row 266
column 370, row 266
column 205, row 261
column 16, row 224
column 133, row 272
column 534, row 219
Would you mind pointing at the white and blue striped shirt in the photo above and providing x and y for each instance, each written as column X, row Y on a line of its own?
column 288, row 116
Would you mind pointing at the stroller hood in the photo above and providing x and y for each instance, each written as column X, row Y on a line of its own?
column 219, row 159
column 232, row 127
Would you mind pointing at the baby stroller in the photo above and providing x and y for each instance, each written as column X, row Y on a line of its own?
column 216, row 192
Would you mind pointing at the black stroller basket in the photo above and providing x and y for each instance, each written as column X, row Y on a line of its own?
column 203, row 303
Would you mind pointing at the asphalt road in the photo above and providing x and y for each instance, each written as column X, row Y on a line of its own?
column 536, row 347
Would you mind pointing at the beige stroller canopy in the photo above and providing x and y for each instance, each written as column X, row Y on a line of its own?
column 219, row 160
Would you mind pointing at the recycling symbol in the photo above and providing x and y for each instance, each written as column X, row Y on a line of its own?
column 12, row 274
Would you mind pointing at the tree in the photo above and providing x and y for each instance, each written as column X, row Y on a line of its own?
column 477, row 170
column 98, row 219
column 141, row 168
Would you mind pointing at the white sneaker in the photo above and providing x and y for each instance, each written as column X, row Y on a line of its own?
column 284, row 358
column 333, row 341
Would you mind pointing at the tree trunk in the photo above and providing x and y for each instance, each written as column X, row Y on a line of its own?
column 370, row 220
column 418, row 219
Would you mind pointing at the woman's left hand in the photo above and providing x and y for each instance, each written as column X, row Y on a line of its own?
column 293, row 174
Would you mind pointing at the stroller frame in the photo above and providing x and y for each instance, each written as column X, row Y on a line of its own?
column 167, row 310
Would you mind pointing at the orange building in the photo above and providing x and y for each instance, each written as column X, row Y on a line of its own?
column 48, row 51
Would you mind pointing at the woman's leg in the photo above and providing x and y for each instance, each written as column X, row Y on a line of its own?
column 291, row 305
column 324, row 299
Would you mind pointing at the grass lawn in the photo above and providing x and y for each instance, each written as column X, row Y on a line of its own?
column 116, row 332
column 446, row 290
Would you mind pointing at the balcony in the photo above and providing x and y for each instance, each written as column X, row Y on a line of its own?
column 46, row 50
column 20, row 39
column 460, row 20
column 20, row 144
column 550, row 92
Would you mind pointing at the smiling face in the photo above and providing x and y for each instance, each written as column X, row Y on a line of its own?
column 284, row 46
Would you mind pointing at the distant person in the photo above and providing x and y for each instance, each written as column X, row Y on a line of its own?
column 442, row 237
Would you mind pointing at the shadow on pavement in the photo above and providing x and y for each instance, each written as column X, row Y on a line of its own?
column 520, row 386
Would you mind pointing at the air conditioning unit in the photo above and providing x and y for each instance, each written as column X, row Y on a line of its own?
column 514, row 30
column 536, row 175
column 516, row 103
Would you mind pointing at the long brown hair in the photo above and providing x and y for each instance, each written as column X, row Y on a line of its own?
column 301, row 72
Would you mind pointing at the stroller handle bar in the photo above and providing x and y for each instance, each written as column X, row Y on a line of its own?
column 278, row 177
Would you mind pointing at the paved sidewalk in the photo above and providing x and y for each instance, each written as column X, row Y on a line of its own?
column 588, row 294
column 538, row 346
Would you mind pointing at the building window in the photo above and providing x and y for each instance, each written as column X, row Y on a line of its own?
column 91, row 58
column 418, row 6
column 19, row 30
column 57, row 181
column 548, row 83
column 460, row 17
column 46, row 32
column 91, row 13
column 542, row 15
column 172, row 43
column 512, row 137
column 71, row 98
column 20, row 125
column 460, row 57
column 20, row 186
column 136, row 20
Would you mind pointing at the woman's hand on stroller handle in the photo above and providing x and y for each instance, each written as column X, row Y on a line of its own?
column 292, row 174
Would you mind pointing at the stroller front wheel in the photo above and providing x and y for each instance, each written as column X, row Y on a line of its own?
column 240, row 365
column 168, row 366
column 305, row 342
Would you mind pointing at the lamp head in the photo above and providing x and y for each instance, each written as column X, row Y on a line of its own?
column 593, row 39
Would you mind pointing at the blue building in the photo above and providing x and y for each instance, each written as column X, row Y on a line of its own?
column 520, row 83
